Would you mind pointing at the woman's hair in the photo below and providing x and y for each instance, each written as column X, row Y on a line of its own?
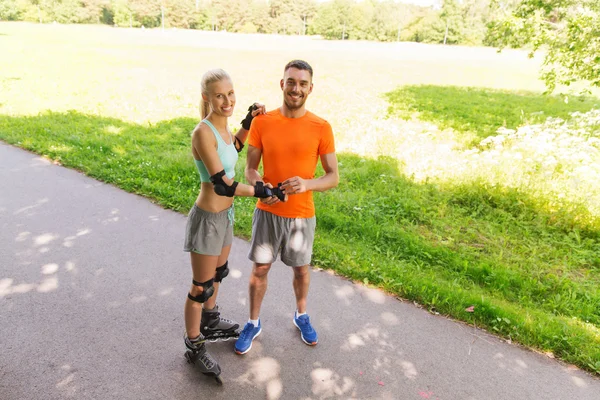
column 209, row 77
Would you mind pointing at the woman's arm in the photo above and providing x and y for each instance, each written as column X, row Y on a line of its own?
column 205, row 145
column 253, row 176
column 241, row 136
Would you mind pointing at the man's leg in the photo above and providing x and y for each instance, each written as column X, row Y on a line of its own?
column 258, row 288
column 297, row 252
column 301, row 284
column 263, row 252
column 301, row 319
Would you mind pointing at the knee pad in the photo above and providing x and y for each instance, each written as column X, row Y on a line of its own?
column 222, row 272
column 207, row 291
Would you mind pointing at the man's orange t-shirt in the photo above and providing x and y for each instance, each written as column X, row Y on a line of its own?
column 291, row 147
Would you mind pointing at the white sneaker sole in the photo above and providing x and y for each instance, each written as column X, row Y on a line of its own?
column 302, row 337
column 244, row 352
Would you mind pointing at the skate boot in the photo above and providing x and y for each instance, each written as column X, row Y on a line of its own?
column 197, row 354
column 214, row 328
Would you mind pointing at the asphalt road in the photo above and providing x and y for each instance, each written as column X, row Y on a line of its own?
column 92, row 286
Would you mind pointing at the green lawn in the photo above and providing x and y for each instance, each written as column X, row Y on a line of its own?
column 479, row 112
column 119, row 105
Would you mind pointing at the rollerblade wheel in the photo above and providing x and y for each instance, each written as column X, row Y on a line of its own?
column 219, row 380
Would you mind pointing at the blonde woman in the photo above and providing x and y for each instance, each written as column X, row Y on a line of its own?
column 209, row 230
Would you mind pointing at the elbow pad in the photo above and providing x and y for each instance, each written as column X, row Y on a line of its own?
column 221, row 187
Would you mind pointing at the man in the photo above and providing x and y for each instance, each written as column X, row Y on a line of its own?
column 290, row 140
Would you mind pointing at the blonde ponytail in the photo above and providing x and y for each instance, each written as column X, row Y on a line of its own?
column 210, row 77
column 204, row 108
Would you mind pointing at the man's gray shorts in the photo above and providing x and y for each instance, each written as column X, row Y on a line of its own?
column 207, row 233
column 271, row 234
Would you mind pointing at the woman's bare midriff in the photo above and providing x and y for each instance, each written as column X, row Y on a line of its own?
column 209, row 201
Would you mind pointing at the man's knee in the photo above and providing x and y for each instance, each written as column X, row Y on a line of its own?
column 300, row 272
column 260, row 270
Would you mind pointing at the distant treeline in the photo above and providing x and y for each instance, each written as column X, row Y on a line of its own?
column 451, row 21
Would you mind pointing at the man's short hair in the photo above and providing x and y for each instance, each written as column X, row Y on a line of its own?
column 299, row 64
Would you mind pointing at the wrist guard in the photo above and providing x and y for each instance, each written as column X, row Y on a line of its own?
column 263, row 192
column 239, row 143
column 248, row 120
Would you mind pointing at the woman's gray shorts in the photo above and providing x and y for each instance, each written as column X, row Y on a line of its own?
column 207, row 232
column 271, row 234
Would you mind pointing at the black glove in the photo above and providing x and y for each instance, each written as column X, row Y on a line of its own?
column 277, row 191
column 248, row 120
column 262, row 192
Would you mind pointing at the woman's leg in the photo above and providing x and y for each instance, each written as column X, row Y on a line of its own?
column 213, row 326
column 203, row 270
column 221, row 260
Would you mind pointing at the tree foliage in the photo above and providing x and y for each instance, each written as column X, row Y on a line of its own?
column 453, row 22
column 568, row 31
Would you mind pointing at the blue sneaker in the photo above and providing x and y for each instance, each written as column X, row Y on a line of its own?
column 244, row 342
column 307, row 333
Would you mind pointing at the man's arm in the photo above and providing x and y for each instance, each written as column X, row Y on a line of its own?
column 252, row 162
column 328, row 181
column 252, row 175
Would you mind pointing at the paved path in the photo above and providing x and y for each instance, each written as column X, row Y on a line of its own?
column 92, row 286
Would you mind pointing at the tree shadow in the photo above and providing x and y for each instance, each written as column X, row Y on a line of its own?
column 479, row 112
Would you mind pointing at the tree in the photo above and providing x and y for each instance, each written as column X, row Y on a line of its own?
column 359, row 18
column 179, row 13
column 122, row 13
column 430, row 28
column 332, row 20
column 286, row 15
column 37, row 10
column 306, row 10
column 9, row 11
column 91, row 11
column 259, row 13
column 567, row 30
column 476, row 16
column 146, row 12
column 453, row 22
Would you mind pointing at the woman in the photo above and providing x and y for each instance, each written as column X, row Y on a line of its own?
column 209, row 230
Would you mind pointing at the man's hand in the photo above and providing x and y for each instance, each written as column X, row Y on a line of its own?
column 273, row 199
column 263, row 192
column 294, row 185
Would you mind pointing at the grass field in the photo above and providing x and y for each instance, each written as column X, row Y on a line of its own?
column 433, row 205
